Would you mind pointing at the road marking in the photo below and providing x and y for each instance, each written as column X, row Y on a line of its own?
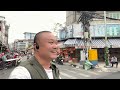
column 70, row 71
column 86, row 71
column 69, row 76
column 93, row 72
column 81, row 74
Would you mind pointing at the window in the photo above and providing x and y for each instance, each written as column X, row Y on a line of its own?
column 118, row 15
column 32, row 36
column 114, row 15
column 27, row 36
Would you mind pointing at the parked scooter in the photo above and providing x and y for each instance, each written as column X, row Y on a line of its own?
column 59, row 60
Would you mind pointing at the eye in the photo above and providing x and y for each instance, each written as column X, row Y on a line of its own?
column 51, row 42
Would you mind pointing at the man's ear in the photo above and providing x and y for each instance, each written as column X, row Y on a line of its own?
column 36, row 46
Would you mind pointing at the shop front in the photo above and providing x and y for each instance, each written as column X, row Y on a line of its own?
column 75, row 46
column 73, row 53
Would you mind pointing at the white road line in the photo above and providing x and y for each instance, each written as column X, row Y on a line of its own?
column 81, row 74
column 69, row 76
column 87, row 71
column 93, row 72
column 70, row 71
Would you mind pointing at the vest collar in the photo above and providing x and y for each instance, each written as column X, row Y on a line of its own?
column 33, row 61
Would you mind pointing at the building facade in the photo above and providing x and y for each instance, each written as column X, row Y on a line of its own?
column 72, row 34
column 22, row 45
column 4, row 28
column 29, row 35
column 25, row 45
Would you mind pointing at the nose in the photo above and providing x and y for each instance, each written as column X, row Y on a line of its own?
column 55, row 46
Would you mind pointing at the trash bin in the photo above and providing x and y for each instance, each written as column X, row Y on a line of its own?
column 87, row 65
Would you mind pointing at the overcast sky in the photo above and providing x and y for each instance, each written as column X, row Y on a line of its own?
column 31, row 21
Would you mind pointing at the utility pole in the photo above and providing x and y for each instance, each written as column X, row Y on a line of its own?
column 105, row 28
column 85, row 19
column 106, row 49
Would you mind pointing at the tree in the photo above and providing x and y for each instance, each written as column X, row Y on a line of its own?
column 29, row 46
column 56, row 28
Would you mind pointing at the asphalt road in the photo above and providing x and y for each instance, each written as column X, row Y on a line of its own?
column 4, row 74
column 69, row 72
column 112, row 76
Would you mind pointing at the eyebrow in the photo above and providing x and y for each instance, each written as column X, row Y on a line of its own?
column 52, row 39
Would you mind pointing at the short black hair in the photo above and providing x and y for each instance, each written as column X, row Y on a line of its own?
column 39, row 33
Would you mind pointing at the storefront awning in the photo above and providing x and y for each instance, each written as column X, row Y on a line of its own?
column 61, row 44
column 95, row 43
column 98, row 43
column 115, row 43
column 80, row 42
column 71, row 42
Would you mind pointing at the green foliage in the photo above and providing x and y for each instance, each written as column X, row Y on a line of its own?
column 106, row 56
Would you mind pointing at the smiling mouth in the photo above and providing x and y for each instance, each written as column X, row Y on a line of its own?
column 54, row 52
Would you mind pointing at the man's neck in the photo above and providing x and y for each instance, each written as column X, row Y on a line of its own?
column 45, row 63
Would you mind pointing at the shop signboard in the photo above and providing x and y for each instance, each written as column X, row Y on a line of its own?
column 69, row 31
column 113, row 30
column 62, row 34
column 77, row 31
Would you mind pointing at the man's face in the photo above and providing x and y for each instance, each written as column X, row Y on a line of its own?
column 48, row 46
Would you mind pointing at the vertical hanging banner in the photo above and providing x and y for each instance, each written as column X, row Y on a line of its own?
column 92, row 54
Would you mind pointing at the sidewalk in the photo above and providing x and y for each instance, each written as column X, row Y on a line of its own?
column 101, row 67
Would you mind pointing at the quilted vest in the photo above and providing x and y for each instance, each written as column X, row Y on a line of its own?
column 37, row 71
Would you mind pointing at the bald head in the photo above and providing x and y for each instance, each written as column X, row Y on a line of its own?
column 46, row 45
column 39, row 34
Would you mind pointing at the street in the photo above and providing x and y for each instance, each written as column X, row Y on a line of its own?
column 112, row 76
column 4, row 74
column 69, row 72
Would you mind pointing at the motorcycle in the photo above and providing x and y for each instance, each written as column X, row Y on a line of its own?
column 60, row 62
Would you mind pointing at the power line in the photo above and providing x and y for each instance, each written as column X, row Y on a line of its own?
column 92, row 14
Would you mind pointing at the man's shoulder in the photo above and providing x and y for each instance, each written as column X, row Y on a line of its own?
column 27, row 62
column 24, row 63
column 20, row 72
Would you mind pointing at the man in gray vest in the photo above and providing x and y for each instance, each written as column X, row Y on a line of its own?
column 39, row 66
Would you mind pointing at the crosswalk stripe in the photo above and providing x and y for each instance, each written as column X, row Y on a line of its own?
column 81, row 74
column 86, row 71
column 70, row 71
column 93, row 73
column 64, row 74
